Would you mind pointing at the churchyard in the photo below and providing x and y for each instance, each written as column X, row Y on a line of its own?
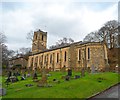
column 59, row 84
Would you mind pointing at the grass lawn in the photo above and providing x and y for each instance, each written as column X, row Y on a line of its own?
column 75, row 88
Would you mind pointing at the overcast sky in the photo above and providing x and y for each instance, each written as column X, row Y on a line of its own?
column 73, row 19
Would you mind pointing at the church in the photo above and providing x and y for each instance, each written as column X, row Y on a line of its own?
column 76, row 55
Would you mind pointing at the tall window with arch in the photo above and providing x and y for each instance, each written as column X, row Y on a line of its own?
column 65, row 56
column 79, row 55
column 88, row 53
column 51, row 58
column 57, row 57
column 42, row 37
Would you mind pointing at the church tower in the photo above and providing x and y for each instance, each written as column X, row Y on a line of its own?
column 39, row 41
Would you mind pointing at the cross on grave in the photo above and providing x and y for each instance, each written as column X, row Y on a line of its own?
column 43, row 81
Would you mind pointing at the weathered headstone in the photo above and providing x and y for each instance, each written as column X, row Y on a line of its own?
column 35, row 75
column 13, row 79
column 77, row 76
column 69, row 72
column 63, row 69
column 22, row 78
column 67, row 78
column 43, row 81
column 28, row 85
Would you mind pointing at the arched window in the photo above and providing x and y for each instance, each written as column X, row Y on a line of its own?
column 65, row 57
column 79, row 54
column 88, row 53
column 57, row 57
column 42, row 37
column 51, row 58
column 31, row 62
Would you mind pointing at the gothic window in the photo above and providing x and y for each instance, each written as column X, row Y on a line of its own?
column 51, row 58
column 36, row 61
column 57, row 57
column 88, row 53
column 42, row 58
column 79, row 54
column 65, row 56
column 32, row 62
column 36, row 37
column 42, row 37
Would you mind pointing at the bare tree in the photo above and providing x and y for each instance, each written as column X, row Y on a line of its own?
column 62, row 42
column 24, row 50
column 108, row 33
column 2, row 38
column 92, row 37
column 30, row 35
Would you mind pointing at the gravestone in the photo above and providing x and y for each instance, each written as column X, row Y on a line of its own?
column 22, row 78
column 43, row 81
column 67, row 78
column 82, row 72
column 35, row 75
column 13, row 79
column 92, row 69
column 69, row 72
column 63, row 69
column 77, row 76
column 28, row 85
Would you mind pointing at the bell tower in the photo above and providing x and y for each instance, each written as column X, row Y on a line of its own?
column 39, row 41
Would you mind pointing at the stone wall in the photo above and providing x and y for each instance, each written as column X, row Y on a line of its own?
column 97, row 57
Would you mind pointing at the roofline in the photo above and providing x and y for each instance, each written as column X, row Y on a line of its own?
column 80, row 43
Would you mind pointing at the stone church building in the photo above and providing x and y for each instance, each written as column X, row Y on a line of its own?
column 76, row 55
